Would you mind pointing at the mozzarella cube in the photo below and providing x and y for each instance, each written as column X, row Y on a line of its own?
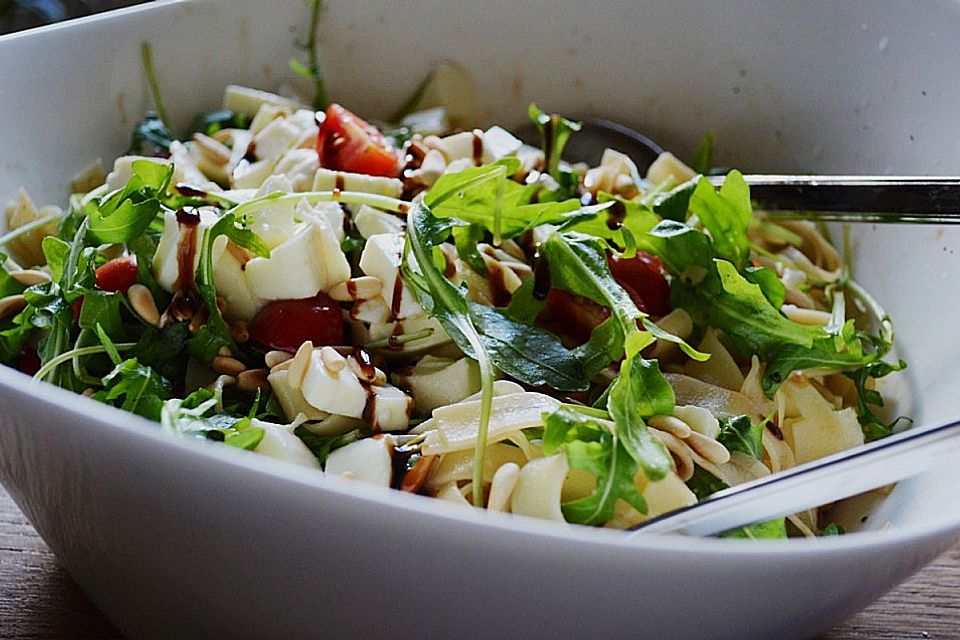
column 328, row 180
column 249, row 101
column 166, row 261
column 334, row 392
column 369, row 460
column 381, row 259
column 499, row 143
column 374, row 311
column 275, row 223
column 249, row 175
column 280, row 442
column 329, row 212
column 413, row 324
column 231, row 280
column 390, row 409
column 276, row 139
column 123, row 170
column 291, row 400
column 298, row 165
column 309, row 262
column 370, row 222
column 435, row 382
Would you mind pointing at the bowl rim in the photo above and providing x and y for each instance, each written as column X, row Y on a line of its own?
column 196, row 451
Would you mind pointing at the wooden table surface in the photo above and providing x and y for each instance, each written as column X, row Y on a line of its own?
column 38, row 599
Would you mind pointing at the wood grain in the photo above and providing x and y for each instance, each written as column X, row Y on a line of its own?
column 39, row 600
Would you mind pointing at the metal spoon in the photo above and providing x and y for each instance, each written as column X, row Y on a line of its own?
column 903, row 199
column 814, row 484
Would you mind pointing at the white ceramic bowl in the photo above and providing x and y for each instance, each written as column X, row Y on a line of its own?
column 177, row 539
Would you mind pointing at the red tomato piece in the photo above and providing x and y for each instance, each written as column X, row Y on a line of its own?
column 571, row 315
column 286, row 324
column 28, row 361
column 347, row 143
column 642, row 277
column 117, row 275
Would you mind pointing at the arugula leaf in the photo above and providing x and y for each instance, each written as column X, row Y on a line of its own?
column 103, row 308
column 55, row 251
column 772, row 530
column 641, row 391
column 532, row 355
column 467, row 238
column 128, row 212
column 135, row 388
column 674, row 204
column 486, row 196
column 555, row 131
column 151, row 137
column 441, row 299
column 213, row 121
column 593, row 447
column 323, row 446
column 244, row 435
column 739, row 433
column 873, row 427
column 772, row 287
column 165, row 350
column 704, row 484
column 726, row 214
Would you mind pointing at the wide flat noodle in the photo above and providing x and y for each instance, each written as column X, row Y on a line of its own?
column 721, row 402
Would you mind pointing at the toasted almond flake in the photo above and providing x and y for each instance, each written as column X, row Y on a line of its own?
column 30, row 277
column 228, row 366
column 274, row 358
column 239, row 331
column 12, row 305
column 253, row 379
column 212, row 149
column 299, row 365
column 332, row 360
column 143, row 304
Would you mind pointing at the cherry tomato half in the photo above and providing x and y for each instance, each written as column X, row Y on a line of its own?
column 286, row 324
column 642, row 277
column 571, row 315
column 117, row 275
column 347, row 143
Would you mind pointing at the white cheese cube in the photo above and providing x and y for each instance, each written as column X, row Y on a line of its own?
column 334, row 392
column 390, row 409
column 381, row 259
column 499, row 143
column 275, row 223
column 291, row 400
column 123, row 170
column 435, row 382
column 231, row 280
column 275, row 139
column 279, row 442
column 369, row 460
column 248, row 101
column 370, row 222
column 328, row 180
column 309, row 262
column 376, row 310
column 249, row 175
column 298, row 165
column 329, row 212
column 428, row 122
column 166, row 261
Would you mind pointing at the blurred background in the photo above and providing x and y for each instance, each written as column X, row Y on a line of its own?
column 25, row 14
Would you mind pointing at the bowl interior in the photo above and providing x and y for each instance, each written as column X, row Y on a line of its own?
column 787, row 87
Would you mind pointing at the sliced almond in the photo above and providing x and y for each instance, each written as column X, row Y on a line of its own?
column 30, row 277
column 332, row 360
column 12, row 305
column 299, row 365
column 253, row 379
column 143, row 304
column 228, row 366
column 274, row 358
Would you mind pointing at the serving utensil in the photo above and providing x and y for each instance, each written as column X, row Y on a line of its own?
column 813, row 484
column 879, row 199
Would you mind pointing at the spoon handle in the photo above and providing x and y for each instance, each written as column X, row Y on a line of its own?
column 904, row 199
column 812, row 484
